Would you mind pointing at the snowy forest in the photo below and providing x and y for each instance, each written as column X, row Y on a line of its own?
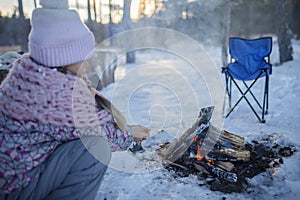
column 204, row 21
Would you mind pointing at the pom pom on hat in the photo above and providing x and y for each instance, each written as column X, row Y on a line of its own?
column 58, row 37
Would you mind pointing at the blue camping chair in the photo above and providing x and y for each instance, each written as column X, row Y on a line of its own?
column 248, row 63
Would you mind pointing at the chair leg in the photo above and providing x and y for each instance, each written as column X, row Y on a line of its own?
column 227, row 93
column 244, row 96
column 267, row 93
column 266, row 98
column 255, row 99
column 265, row 102
column 230, row 92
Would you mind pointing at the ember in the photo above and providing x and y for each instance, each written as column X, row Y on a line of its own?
column 229, row 163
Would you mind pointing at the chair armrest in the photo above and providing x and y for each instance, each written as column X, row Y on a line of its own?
column 224, row 68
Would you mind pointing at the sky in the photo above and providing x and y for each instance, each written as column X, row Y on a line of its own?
column 7, row 7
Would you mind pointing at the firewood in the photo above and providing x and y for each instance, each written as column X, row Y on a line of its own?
column 237, row 141
column 200, row 168
column 177, row 165
column 228, row 166
column 175, row 150
column 242, row 155
column 212, row 136
column 221, row 174
column 216, row 155
column 223, row 138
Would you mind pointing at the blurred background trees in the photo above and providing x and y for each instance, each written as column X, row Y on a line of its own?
column 209, row 22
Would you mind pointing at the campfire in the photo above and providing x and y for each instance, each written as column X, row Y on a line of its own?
column 222, row 158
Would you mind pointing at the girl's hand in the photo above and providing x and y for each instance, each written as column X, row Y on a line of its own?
column 139, row 133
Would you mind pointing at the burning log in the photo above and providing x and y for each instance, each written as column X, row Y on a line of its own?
column 176, row 149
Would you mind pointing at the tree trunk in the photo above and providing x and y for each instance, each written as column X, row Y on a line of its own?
column 21, row 12
column 34, row 2
column 296, row 17
column 126, row 21
column 127, row 24
column 24, row 29
column 283, row 32
column 95, row 10
column 89, row 11
column 77, row 5
column 226, row 31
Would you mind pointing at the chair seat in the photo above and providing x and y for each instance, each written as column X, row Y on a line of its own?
column 244, row 73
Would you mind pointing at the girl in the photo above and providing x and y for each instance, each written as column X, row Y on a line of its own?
column 56, row 133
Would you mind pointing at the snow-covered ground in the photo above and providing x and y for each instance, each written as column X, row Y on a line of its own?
column 162, row 91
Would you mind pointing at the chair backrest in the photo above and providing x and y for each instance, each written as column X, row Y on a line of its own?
column 241, row 49
column 250, row 54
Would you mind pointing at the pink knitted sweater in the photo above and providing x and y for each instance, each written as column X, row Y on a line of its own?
column 41, row 108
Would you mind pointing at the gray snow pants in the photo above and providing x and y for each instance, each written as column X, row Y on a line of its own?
column 73, row 171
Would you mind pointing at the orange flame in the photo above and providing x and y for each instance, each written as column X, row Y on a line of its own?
column 195, row 138
column 198, row 152
column 199, row 158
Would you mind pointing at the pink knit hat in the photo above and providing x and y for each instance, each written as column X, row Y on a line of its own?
column 58, row 37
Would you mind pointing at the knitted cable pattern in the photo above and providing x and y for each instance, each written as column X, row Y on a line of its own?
column 35, row 92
